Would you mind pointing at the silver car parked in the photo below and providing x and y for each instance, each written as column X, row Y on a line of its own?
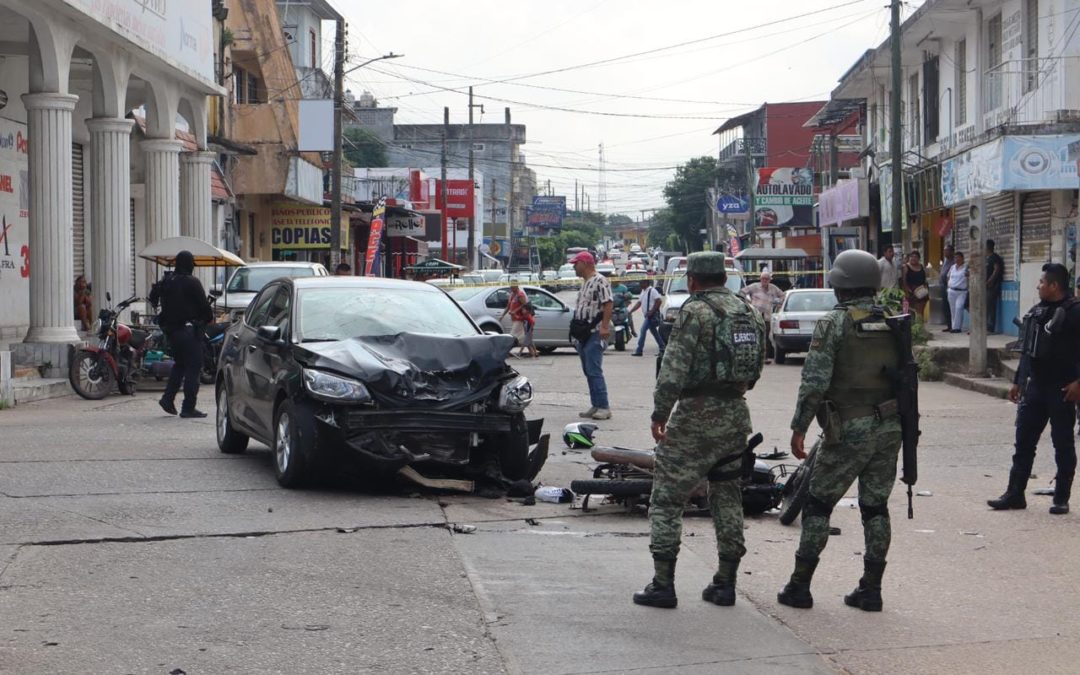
column 486, row 304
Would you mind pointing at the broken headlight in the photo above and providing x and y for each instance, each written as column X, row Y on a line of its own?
column 334, row 388
column 516, row 395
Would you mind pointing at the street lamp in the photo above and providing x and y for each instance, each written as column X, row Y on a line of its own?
column 384, row 57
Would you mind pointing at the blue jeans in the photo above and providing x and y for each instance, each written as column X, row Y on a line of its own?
column 592, row 363
column 650, row 325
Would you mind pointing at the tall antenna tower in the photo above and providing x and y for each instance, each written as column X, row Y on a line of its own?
column 602, row 196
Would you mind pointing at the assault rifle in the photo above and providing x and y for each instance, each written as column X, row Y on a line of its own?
column 907, row 398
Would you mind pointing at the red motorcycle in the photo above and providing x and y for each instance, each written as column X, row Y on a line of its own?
column 114, row 362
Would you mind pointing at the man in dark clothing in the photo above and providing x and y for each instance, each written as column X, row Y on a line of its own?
column 1047, row 386
column 995, row 271
column 185, row 311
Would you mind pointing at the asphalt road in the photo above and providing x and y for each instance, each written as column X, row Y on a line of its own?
column 128, row 544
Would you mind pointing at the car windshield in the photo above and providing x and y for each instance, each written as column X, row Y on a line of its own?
column 252, row 279
column 342, row 313
column 734, row 284
column 817, row 301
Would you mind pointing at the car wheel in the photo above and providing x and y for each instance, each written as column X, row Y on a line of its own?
column 292, row 448
column 780, row 355
column 229, row 441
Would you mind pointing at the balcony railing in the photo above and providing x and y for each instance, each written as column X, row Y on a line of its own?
column 741, row 147
column 1030, row 91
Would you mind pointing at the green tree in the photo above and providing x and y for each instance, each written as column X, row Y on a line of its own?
column 364, row 149
column 685, row 196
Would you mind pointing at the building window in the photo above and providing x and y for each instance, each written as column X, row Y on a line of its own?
column 993, row 63
column 961, row 83
column 314, row 47
column 931, row 101
column 913, row 107
column 1031, row 45
column 246, row 87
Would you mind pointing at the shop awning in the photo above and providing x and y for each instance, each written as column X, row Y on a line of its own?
column 163, row 252
column 435, row 266
column 758, row 253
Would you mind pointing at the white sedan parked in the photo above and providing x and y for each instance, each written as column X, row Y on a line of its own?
column 793, row 324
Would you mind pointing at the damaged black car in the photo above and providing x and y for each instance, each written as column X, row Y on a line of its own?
column 390, row 376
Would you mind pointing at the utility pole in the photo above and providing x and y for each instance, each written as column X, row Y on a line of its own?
column 472, row 183
column 494, row 202
column 510, row 186
column 442, row 186
column 576, row 208
column 339, row 103
column 894, row 124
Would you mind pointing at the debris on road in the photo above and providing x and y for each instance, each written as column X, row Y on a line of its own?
column 834, row 531
column 554, row 495
column 1044, row 491
column 532, row 521
column 924, row 493
column 462, row 529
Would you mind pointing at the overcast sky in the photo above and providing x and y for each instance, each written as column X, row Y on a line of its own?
column 766, row 55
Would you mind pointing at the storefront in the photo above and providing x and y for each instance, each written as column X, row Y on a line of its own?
column 301, row 232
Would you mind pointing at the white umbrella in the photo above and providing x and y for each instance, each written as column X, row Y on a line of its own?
column 163, row 252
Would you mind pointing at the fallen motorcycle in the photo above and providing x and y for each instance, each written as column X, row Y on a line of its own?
column 627, row 476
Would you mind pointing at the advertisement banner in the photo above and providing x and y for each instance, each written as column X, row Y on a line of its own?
column 179, row 33
column 840, row 203
column 14, row 225
column 543, row 221
column 973, row 173
column 460, row 198
column 373, row 259
column 784, row 197
column 405, row 226
column 550, row 203
column 296, row 226
column 885, row 175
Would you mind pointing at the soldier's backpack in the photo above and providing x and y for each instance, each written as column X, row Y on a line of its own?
column 738, row 342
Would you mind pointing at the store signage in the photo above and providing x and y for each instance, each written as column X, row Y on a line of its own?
column 296, row 226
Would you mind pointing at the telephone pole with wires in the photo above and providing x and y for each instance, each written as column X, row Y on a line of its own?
column 339, row 103
column 894, row 123
column 442, row 185
column 472, row 185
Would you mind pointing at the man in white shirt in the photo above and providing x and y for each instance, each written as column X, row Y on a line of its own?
column 650, row 302
column 890, row 274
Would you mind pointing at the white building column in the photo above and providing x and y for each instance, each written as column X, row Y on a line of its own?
column 110, row 208
column 52, row 313
column 196, row 207
column 162, row 161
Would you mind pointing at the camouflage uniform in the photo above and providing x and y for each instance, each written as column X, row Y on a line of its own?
column 842, row 382
column 707, row 430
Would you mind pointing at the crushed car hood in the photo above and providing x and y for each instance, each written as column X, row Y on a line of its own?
column 412, row 367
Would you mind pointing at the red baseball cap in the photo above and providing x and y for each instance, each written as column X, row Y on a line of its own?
column 584, row 257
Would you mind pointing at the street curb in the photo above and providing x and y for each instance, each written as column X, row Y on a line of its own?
column 991, row 386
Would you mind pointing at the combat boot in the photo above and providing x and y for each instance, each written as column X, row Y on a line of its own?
column 797, row 591
column 722, row 589
column 661, row 590
column 867, row 596
column 1014, row 494
column 1062, row 490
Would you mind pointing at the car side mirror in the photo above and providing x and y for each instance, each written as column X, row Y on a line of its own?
column 565, row 308
column 269, row 334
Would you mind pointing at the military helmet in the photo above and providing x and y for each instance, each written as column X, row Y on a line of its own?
column 855, row 269
column 705, row 262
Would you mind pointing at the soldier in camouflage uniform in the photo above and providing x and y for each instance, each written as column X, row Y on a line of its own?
column 706, row 434
column 846, row 384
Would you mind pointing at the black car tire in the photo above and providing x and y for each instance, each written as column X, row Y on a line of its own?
column 229, row 440
column 780, row 355
column 616, row 488
column 292, row 461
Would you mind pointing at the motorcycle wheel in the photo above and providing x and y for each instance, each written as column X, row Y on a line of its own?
column 616, row 488
column 797, row 490
column 620, row 340
column 90, row 375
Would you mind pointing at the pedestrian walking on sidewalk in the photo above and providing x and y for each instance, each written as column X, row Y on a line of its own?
column 590, row 329
column 890, row 273
column 716, row 352
column 948, row 260
column 913, row 281
column 1047, row 387
column 185, row 312
column 846, row 385
column 650, row 302
column 958, row 292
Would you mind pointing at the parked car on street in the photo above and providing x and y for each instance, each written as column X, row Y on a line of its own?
column 606, row 268
column 793, row 323
column 553, row 315
column 568, row 278
column 245, row 282
column 380, row 373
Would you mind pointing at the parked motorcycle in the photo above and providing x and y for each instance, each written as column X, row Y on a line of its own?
column 627, row 475
column 115, row 361
column 620, row 327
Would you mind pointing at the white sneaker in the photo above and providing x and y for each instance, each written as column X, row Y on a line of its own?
column 588, row 413
column 602, row 414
